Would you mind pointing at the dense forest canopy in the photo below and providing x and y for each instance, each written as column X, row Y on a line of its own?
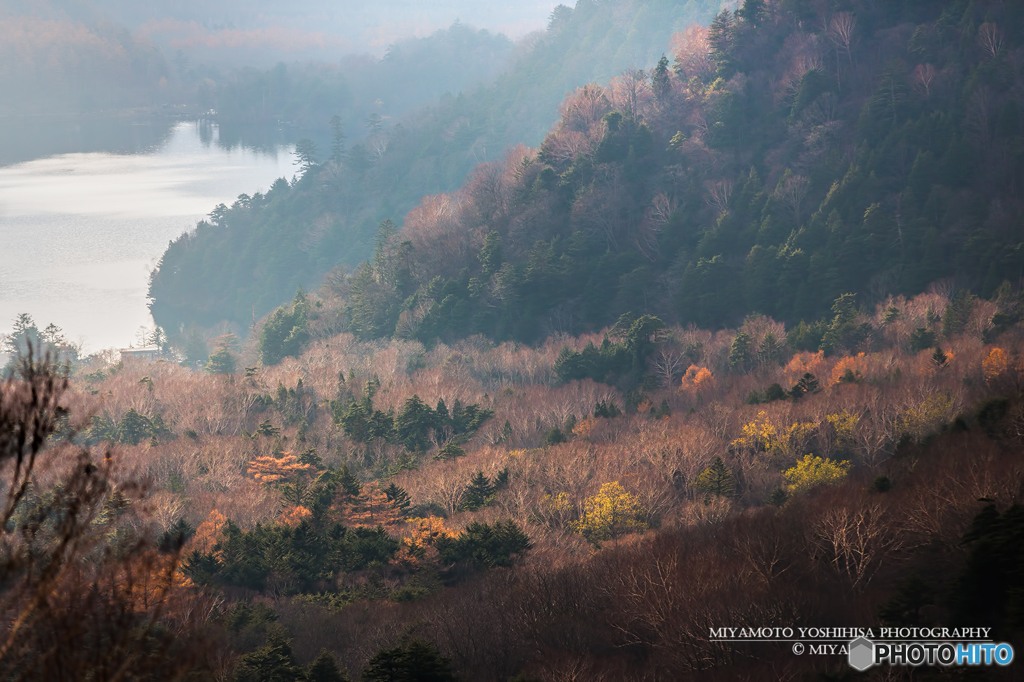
column 252, row 256
column 785, row 156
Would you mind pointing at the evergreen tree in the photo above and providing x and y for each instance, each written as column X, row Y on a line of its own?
column 273, row 662
column 222, row 361
column 398, row 497
column 285, row 332
column 305, row 154
column 337, row 139
column 24, row 333
column 808, row 383
column 958, row 313
column 661, row 81
column 478, row 492
column 414, row 423
column 413, row 661
column 485, row 545
column 716, row 480
column 921, row 338
column 325, row 669
column 133, row 428
column 739, row 353
column 752, row 12
column 348, row 482
column 721, row 36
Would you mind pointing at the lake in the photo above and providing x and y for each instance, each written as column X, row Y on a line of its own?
column 88, row 208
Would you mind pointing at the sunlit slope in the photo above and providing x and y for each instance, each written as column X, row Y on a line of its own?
column 252, row 257
column 773, row 167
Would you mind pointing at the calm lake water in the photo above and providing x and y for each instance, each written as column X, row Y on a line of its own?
column 86, row 214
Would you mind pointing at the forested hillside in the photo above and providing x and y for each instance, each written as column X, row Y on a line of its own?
column 413, row 73
column 67, row 57
column 473, row 511
column 783, row 157
column 741, row 344
column 255, row 254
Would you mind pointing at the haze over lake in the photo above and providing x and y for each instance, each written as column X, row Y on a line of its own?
column 81, row 231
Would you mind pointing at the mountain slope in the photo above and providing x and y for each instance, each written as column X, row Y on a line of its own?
column 792, row 157
column 252, row 257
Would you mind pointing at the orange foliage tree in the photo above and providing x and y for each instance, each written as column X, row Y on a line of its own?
column 418, row 543
column 848, row 369
column 268, row 469
column 697, row 379
column 369, row 509
column 994, row 365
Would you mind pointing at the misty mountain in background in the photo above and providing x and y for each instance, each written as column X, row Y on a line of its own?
column 260, row 33
column 87, row 55
column 251, row 257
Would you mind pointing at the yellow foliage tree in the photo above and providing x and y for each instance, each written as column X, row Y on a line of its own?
column 556, row 510
column 844, row 423
column 812, row 471
column 610, row 513
column 583, row 428
column 994, row 365
column 418, row 544
column 761, row 435
column 924, row 418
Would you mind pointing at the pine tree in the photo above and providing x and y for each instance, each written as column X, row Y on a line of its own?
column 24, row 332
column 337, row 140
column 273, row 662
column 222, row 361
column 478, row 492
column 808, row 384
column 958, row 313
column 661, row 82
column 739, row 354
column 133, row 428
column 414, row 661
column 325, row 669
column 752, row 11
column 722, row 39
column 413, row 423
column 398, row 497
column 716, row 480
column 305, row 154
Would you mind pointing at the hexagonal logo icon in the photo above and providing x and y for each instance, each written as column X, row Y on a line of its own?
column 861, row 654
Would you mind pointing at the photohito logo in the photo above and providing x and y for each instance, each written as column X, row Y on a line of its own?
column 862, row 653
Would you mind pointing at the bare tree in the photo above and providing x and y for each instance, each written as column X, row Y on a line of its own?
column 923, row 77
column 630, row 93
column 71, row 600
column 792, row 193
column 991, row 39
column 584, row 107
column 718, row 195
column 840, row 31
column 857, row 541
column 693, row 53
column 669, row 364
